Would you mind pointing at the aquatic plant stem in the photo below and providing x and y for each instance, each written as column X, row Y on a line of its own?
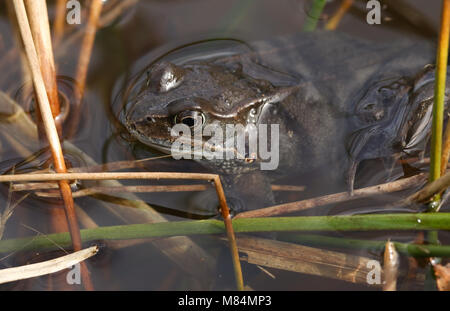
column 438, row 113
column 290, row 207
column 40, row 28
column 439, row 96
column 230, row 234
column 50, row 130
column 441, row 70
column 84, row 59
column 337, row 17
column 419, row 221
column 430, row 190
column 59, row 22
column 312, row 17
column 408, row 249
column 46, row 267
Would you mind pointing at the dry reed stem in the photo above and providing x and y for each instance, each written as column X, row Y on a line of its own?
column 117, row 165
column 337, row 17
column 288, row 188
column 103, row 20
column 88, row 43
column 107, row 176
column 116, row 11
column 390, row 267
column 430, row 190
column 398, row 185
column 40, row 28
column 305, row 259
column 230, row 234
column 135, row 189
column 46, row 267
column 50, row 129
column 60, row 21
column 442, row 276
column 83, row 60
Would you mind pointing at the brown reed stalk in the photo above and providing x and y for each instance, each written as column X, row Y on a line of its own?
column 134, row 189
column 84, row 58
column 230, row 234
column 40, row 29
column 60, row 21
column 337, row 17
column 394, row 186
column 88, row 43
column 50, row 130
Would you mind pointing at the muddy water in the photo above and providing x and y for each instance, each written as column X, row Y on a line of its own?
column 155, row 27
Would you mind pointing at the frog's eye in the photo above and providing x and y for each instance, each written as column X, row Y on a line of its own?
column 190, row 118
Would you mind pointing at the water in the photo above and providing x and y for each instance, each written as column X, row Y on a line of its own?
column 149, row 30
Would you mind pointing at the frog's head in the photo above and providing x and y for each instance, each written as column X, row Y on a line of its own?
column 199, row 93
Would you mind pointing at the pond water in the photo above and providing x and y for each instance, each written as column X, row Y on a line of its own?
column 332, row 67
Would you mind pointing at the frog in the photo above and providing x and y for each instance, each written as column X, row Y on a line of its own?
column 337, row 100
column 398, row 112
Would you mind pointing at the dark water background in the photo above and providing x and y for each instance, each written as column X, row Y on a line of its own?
column 158, row 25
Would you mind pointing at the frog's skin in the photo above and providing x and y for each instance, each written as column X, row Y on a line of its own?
column 337, row 100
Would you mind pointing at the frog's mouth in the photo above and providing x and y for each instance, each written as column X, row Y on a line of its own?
column 155, row 143
column 165, row 146
column 162, row 145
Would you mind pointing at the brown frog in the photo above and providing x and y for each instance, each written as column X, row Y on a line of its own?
column 335, row 100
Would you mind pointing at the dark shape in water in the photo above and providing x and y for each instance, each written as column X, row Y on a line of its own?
column 337, row 100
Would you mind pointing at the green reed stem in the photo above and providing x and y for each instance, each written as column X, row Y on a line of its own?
column 414, row 250
column 420, row 221
column 439, row 96
column 312, row 17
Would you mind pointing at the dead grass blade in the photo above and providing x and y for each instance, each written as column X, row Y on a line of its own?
column 391, row 265
column 394, row 186
column 46, row 267
column 442, row 277
column 304, row 259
